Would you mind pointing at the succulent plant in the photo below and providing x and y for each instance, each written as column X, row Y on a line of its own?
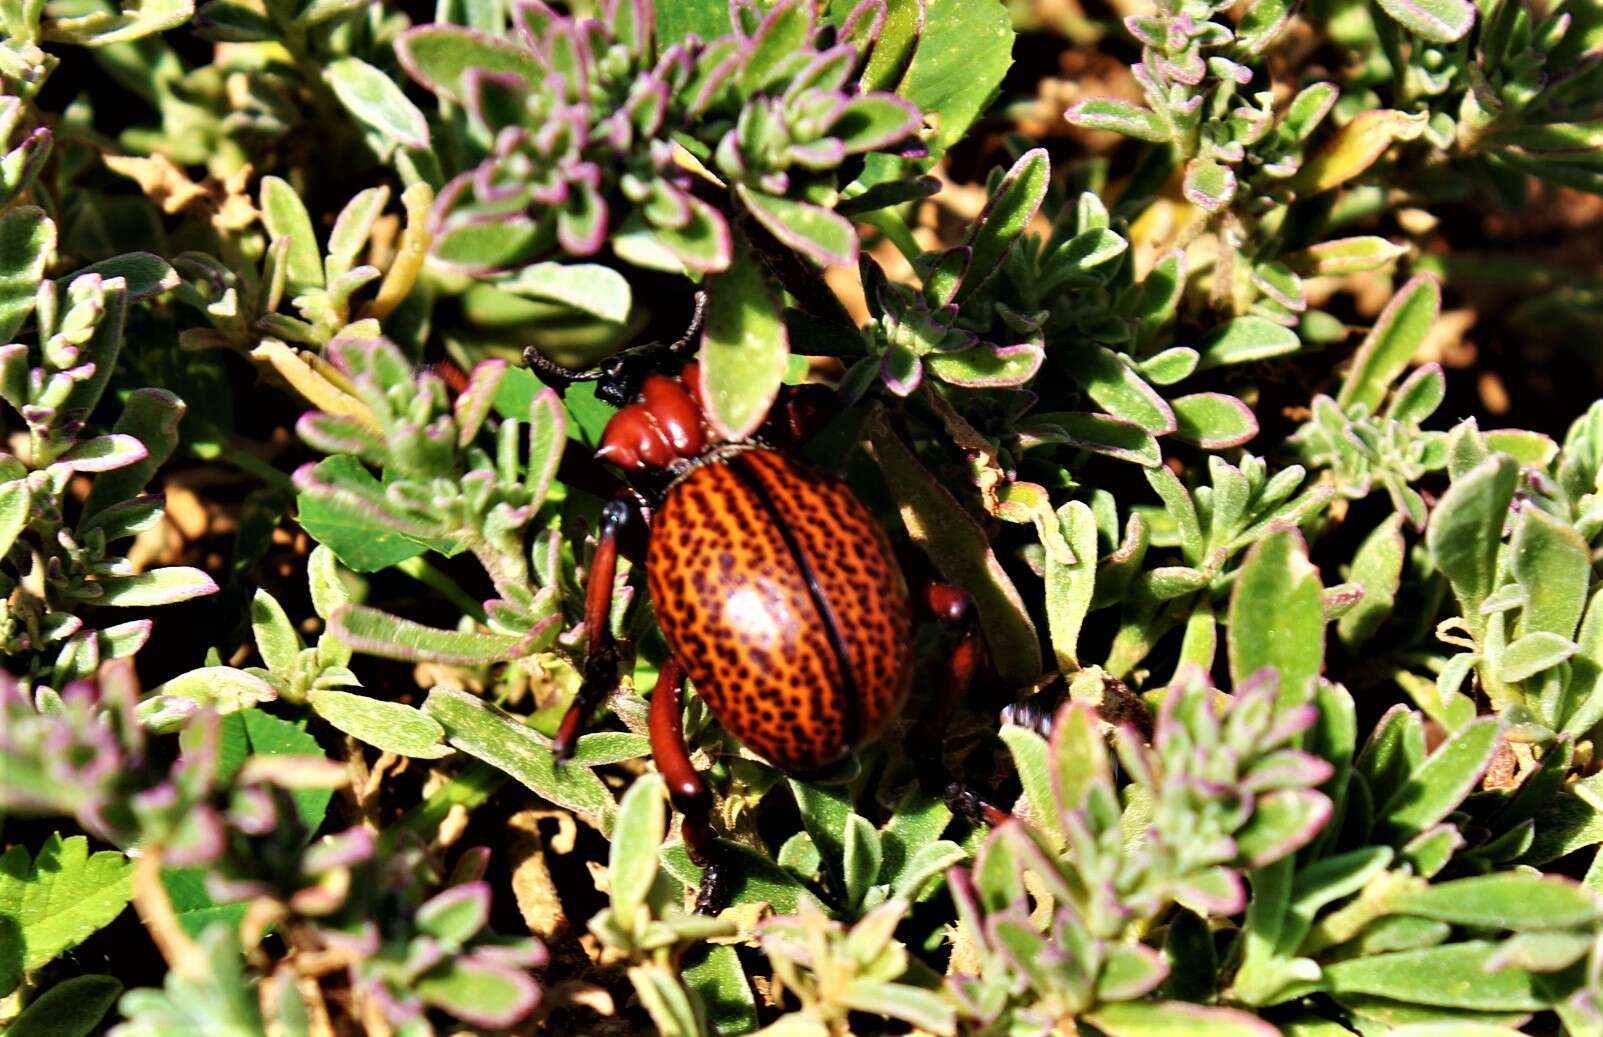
column 592, row 127
column 54, row 563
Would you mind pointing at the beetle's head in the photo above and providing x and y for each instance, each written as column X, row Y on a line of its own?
column 621, row 377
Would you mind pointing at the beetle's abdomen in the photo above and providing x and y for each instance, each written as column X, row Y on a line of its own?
column 780, row 595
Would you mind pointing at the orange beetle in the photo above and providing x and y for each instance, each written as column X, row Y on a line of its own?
column 777, row 592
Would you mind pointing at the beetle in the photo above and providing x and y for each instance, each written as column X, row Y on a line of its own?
column 780, row 597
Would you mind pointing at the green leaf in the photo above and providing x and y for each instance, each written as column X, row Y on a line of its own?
column 377, row 102
column 784, row 29
column 222, row 688
column 15, row 501
column 719, row 979
column 1553, row 566
column 589, row 287
column 915, row 825
column 1391, row 343
column 392, row 727
column 1116, row 386
column 1378, row 569
column 340, row 505
column 437, row 55
column 1509, row 900
column 267, row 735
column 1176, row 1019
column 636, row 840
column 757, row 880
column 158, row 587
column 503, row 741
column 962, row 553
column 276, row 640
column 1355, row 147
column 860, row 858
column 284, row 215
column 925, row 1009
column 824, row 237
column 391, row 637
column 196, row 911
column 27, row 241
column 1533, row 653
column 1114, row 437
column 216, row 998
column 985, row 366
column 1112, row 114
column 1033, row 762
column 103, row 28
column 72, row 1008
column 824, row 812
column 708, row 19
column 482, row 247
column 1009, row 210
column 1440, row 21
column 1246, row 339
column 1070, row 582
column 151, row 416
column 1466, row 528
column 1213, row 420
column 1209, row 185
column 490, row 994
column 931, row 860
column 1439, row 785
column 1345, row 256
column 1277, row 616
column 55, row 901
column 144, row 273
column 1531, row 449
column 1451, row 976
column 328, row 589
column 963, row 51
column 743, row 350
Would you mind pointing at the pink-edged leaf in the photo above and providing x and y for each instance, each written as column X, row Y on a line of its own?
column 104, row 453
column 473, row 403
column 157, row 587
column 1283, row 822
column 1213, row 420
column 548, row 434
column 437, row 55
column 391, row 637
column 824, row 237
column 457, row 914
column 1176, row 1019
column 1122, row 392
column 988, row 367
column 480, row 991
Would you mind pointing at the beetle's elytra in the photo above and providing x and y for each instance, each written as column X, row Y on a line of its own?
column 777, row 592
column 780, row 595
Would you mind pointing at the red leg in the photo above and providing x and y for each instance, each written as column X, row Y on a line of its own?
column 687, row 791
column 600, row 650
column 954, row 610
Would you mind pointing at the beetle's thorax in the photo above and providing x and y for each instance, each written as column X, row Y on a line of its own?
column 664, row 429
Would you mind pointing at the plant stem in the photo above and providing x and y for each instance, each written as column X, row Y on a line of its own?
column 155, row 910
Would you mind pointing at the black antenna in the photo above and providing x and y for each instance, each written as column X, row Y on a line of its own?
column 622, row 373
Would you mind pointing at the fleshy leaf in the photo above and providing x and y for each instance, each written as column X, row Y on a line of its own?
column 377, row 102
column 392, row 727
column 743, row 350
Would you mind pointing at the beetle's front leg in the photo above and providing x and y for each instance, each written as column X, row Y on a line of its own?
column 954, row 611
column 688, row 792
column 600, row 671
